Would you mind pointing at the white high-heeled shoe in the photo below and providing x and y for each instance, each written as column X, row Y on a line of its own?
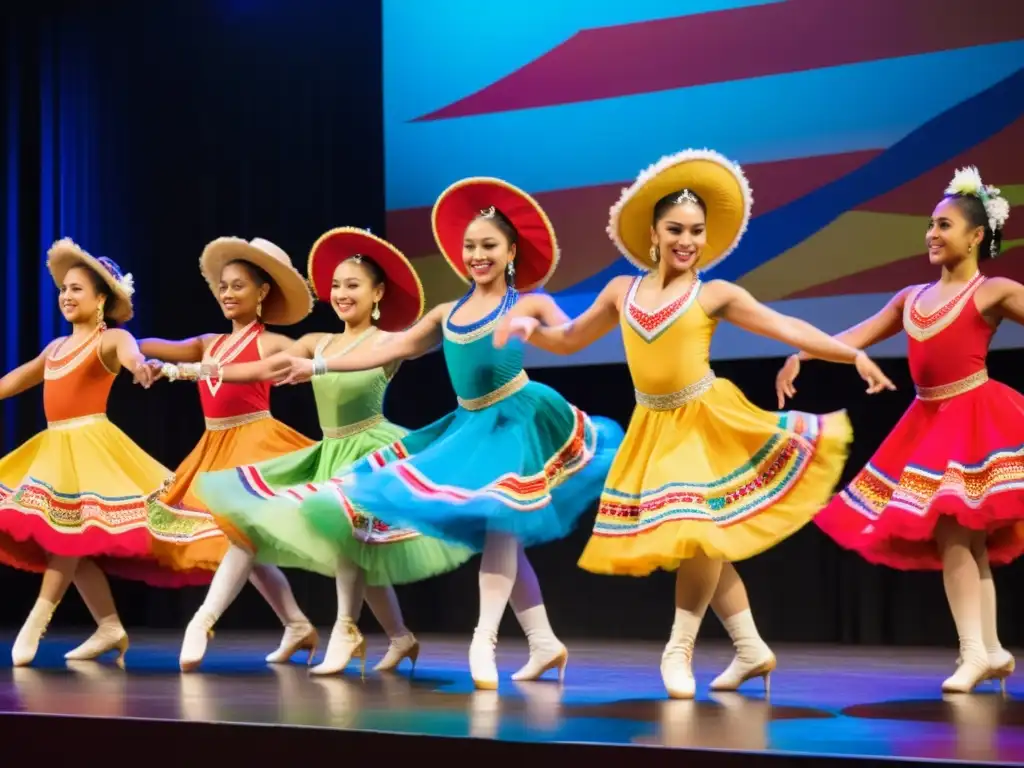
column 346, row 643
column 483, row 667
column 297, row 637
column 26, row 644
column 400, row 648
column 108, row 637
column 541, row 660
column 677, row 670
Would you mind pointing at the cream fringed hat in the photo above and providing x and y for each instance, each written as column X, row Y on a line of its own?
column 290, row 299
column 718, row 181
column 66, row 253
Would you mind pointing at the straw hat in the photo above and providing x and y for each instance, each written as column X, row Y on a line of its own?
column 66, row 253
column 537, row 249
column 403, row 301
column 719, row 182
column 288, row 302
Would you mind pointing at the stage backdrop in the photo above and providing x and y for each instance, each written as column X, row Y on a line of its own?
column 849, row 119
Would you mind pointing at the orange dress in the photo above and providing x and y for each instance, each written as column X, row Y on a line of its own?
column 81, row 487
column 239, row 431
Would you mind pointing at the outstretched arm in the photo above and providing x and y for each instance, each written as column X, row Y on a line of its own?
column 539, row 320
column 735, row 304
column 390, row 349
column 120, row 346
column 184, row 351
column 26, row 375
column 884, row 324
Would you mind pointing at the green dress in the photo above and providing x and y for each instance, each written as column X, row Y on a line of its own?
column 262, row 501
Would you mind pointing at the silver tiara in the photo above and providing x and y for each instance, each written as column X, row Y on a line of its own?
column 686, row 196
column 358, row 258
column 488, row 213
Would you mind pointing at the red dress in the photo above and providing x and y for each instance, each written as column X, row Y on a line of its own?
column 957, row 451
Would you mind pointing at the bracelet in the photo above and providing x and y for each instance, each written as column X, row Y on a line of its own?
column 319, row 366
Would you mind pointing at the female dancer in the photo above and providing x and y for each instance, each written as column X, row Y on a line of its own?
column 704, row 478
column 943, row 489
column 516, row 464
column 73, row 498
column 255, row 283
column 374, row 290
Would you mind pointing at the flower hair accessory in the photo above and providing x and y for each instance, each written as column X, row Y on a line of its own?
column 127, row 282
column 967, row 181
column 488, row 213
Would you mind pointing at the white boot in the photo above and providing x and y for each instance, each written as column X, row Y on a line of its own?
column 109, row 636
column 483, row 667
column 677, row 659
column 298, row 636
column 346, row 643
column 753, row 656
column 400, row 648
column 546, row 651
column 974, row 668
column 197, row 634
column 26, row 644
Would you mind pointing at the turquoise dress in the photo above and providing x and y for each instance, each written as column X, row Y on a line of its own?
column 515, row 457
column 258, row 505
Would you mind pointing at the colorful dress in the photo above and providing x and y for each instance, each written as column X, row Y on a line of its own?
column 239, row 430
column 515, row 457
column 261, row 501
column 81, row 487
column 957, row 451
column 702, row 469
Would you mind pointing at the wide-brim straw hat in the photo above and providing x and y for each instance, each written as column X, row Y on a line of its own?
column 66, row 253
column 289, row 300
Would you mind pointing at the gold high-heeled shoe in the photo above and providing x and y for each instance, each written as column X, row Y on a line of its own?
column 193, row 664
column 119, row 644
column 358, row 651
column 1001, row 673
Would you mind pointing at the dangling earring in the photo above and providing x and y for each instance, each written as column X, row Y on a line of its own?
column 99, row 314
column 511, row 272
column 259, row 309
column 375, row 314
column 654, row 254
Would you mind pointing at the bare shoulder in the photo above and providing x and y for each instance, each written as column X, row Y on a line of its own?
column 381, row 338
column 1000, row 286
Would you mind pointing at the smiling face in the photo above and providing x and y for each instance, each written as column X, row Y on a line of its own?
column 81, row 295
column 679, row 235
column 486, row 251
column 951, row 237
column 355, row 289
column 240, row 290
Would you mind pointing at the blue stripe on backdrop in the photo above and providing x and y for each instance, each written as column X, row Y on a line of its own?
column 12, row 284
column 47, row 173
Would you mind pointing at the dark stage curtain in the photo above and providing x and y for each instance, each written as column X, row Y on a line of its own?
column 147, row 129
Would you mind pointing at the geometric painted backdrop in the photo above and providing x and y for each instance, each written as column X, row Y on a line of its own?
column 848, row 116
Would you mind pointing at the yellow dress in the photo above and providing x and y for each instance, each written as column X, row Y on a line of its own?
column 702, row 469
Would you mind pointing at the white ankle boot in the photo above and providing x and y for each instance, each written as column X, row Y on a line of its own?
column 346, row 643
column 400, row 648
column 298, row 636
column 197, row 634
column 973, row 668
column 544, row 656
column 677, row 669
column 108, row 636
column 483, row 667
column 26, row 644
